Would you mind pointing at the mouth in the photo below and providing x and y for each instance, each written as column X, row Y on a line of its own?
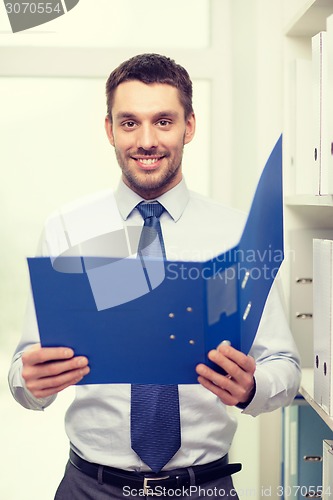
column 148, row 162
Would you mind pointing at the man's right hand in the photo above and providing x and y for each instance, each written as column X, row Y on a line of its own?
column 49, row 370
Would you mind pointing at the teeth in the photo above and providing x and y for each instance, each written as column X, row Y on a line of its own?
column 148, row 161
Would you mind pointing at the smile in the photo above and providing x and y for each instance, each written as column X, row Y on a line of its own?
column 148, row 162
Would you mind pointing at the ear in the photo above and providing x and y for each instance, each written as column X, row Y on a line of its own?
column 108, row 130
column 190, row 128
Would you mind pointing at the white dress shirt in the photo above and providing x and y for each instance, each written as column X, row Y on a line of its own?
column 98, row 421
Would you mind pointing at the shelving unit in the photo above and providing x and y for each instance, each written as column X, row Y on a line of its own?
column 307, row 216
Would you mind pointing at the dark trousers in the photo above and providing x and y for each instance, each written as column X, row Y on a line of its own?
column 78, row 486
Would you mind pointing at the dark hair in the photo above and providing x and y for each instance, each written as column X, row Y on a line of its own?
column 151, row 68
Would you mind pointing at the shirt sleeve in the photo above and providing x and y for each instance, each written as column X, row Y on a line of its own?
column 278, row 372
column 30, row 336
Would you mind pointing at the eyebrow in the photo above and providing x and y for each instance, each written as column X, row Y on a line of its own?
column 123, row 115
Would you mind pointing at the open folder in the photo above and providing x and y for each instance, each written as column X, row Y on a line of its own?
column 159, row 319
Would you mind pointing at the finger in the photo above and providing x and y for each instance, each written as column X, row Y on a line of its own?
column 244, row 380
column 220, row 392
column 244, row 361
column 208, row 373
column 39, row 355
column 48, row 386
column 237, row 392
column 53, row 368
column 230, row 367
column 239, row 366
column 222, row 381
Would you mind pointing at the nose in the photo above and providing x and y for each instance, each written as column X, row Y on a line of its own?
column 147, row 137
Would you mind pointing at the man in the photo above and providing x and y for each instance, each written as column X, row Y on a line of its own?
column 150, row 119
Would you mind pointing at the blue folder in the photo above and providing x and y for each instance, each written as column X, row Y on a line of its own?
column 168, row 324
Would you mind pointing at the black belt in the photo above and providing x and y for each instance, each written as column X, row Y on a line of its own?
column 148, row 482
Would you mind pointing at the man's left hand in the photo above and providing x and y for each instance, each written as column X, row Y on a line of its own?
column 237, row 386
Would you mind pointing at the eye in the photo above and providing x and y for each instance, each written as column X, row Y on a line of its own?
column 164, row 123
column 129, row 124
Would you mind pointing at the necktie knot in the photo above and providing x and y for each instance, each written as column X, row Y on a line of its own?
column 151, row 242
column 150, row 210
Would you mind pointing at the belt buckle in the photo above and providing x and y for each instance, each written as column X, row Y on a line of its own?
column 147, row 490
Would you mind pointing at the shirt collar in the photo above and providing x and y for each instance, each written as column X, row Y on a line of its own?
column 174, row 200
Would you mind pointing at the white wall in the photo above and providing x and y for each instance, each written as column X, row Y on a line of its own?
column 257, row 90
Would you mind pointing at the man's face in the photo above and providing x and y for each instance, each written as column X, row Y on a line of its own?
column 148, row 132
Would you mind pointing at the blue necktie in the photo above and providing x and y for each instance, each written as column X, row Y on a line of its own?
column 155, row 420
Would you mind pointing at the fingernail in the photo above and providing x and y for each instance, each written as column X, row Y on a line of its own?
column 81, row 362
column 225, row 342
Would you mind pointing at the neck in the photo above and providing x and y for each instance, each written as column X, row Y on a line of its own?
column 151, row 193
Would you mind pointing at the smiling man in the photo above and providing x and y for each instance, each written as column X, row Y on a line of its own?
column 130, row 441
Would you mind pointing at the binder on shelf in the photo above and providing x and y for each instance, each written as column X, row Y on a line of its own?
column 329, row 94
column 323, row 322
column 163, row 333
column 301, row 293
column 300, row 160
column 301, row 289
column 327, row 491
column 323, row 180
column 303, row 433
